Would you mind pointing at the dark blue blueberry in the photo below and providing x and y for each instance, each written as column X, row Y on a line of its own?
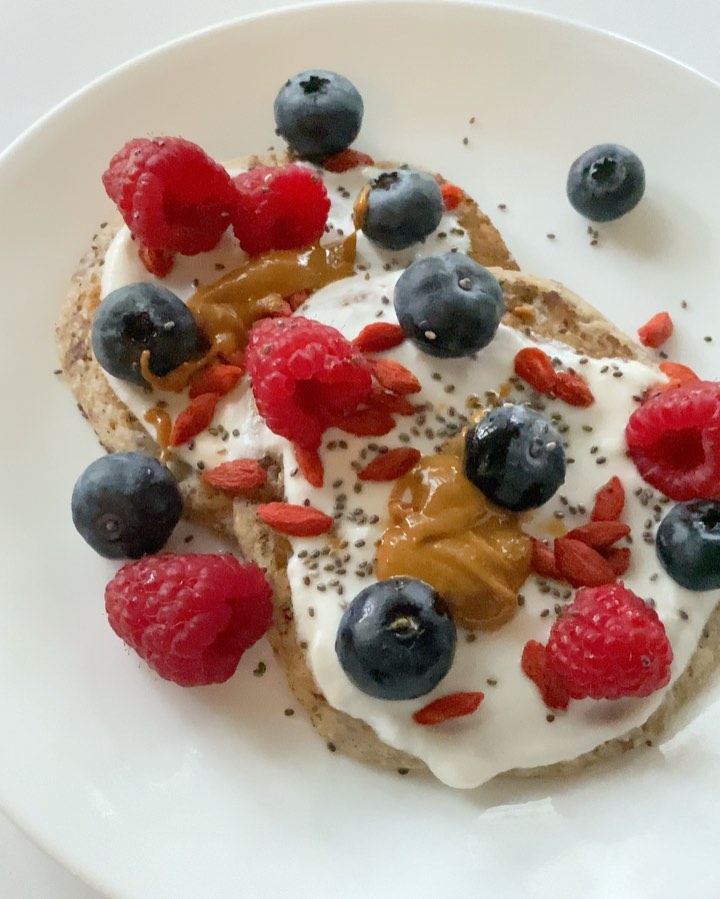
column 449, row 305
column 318, row 113
column 399, row 208
column 396, row 639
column 606, row 182
column 126, row 505
column 688, row 544
column 515, row 457
column 143, row 317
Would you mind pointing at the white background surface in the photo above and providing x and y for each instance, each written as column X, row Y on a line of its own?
column 52, row 49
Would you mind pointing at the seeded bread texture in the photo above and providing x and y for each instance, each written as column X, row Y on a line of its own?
column 547, row 308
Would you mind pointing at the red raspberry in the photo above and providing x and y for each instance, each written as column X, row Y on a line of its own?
column 305, row 376
column 674, row 441
column 172, row 196
column 279, row 208
column 609, row 643
column 191, row 616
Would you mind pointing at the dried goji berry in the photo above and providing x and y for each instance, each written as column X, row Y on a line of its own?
column 534, row 366
column 236, row 477
column 581, row 565
column 534, row 665
column 378, row 337
column 367, row 423
column 599, row 534
column 194, row 418
column 395, row 377
column 391, row 465
column 609, row 501
column 618, row 558
column 219, row 378
column 451, row 194
column 572, row 389
column 678, row 372
column 346, row 160
column 391, row 402
column 298, row 521
column 543, row 560
column 454, row 705
column 310, row 465
column 656, row 331
column 157, row 262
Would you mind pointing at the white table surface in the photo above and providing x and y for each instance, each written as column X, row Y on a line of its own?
column 53, row 49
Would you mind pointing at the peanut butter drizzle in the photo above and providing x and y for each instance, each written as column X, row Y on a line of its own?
column 161, row 421
column 226, row 310
column 445, row 532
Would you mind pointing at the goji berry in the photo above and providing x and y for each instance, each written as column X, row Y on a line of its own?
column 295, row 300
column 618, row 558
column 454, row 705
column 158, row 262
column 581, row 565
column 534, row 665
column 391, row 402
column 395, row 377
column 451, row 194
column 219, row 378
column 391, row 465
column 599, row 534
column 194, row 418
column 609, row 501
column 346, row 160
column 367, row 423
column 310, row 465
column 378, row 337
column 572, row 389
column 236, row 477
column 543, row 560
column 297, row 521
column 534, row 366
column 656, row 331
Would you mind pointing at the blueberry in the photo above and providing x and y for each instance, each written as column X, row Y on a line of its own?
column 606, row 182
column 688, row 544
column 515, row 457
column 143, row 317
column 396, row 639
column 399, row 208
column 448, row 305
column 318, row 113
column 125, row 505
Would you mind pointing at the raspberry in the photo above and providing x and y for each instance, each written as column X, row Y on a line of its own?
column 190, row 617
column 279, row 208
column 609, row 643
column 674, row 441
column 305, row 376
column 172, row 196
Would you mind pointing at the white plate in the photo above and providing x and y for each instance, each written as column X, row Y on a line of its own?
column 150, row 791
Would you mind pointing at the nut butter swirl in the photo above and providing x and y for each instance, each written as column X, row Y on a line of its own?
column 445, row 532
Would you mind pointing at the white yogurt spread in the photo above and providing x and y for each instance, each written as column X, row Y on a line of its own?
column 513, row 727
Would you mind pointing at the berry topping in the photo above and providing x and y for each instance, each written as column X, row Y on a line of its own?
column 516, row 457
column 573, row 390
column 609, row 501
column 452, row 195
column 318, row 113
column 171, row 194
column 140, row 317
column 449, row 305
column 237, row 477
column 655, row 332
column 688, row 544
column 391, row 465
column 454, row 705
column 125, row 505
column 194, row 418
column 305, row 376
column 396, row 639
column 399, row 208
column 279, row 208
column 534, row 665
column 535, row 367
column 297, row 521
column 347, row 160
column 604, row 183
column 190, row 617
column 580, row 564
column 674, row 440
column 607, row 644
column 378, row 337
